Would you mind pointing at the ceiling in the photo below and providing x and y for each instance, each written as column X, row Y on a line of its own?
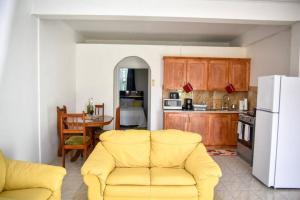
column 159, row 30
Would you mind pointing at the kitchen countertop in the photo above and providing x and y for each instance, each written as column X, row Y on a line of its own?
column 208, row 111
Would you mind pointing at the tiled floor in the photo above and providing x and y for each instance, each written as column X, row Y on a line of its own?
column 237, row 183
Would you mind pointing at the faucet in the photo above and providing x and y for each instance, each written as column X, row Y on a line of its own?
column 225, row 102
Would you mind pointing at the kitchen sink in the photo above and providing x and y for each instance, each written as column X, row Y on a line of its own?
column 217, row 109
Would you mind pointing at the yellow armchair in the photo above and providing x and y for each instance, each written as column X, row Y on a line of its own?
column 23, row 180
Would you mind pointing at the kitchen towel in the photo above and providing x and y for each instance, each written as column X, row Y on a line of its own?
column 239, row 130
column 247, row 132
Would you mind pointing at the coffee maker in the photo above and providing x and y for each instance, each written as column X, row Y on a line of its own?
column 188, row 104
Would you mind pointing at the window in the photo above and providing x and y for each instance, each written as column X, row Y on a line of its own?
column 123, row 79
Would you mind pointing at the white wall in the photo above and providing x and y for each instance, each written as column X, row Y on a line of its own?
column 95, row 65
column 57, row 80
column 7, row 8
column 270, row 56
column 18, row 88
column 295, row 50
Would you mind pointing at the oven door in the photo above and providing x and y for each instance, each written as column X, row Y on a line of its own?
column 246, row 134
column 245, row 141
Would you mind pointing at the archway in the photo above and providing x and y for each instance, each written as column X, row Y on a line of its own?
column 138, row 64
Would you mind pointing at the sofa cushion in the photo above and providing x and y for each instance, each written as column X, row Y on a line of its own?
column 129, row 148
column 174, row 193
column 171, row 176
column 76, row 140
column 170, row 148
column 2, row 171
column 132, row 192
column 32, row 194
column 129, row 176
column 113, row 192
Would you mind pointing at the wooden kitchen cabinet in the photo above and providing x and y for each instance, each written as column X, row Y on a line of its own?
column 216, row 129
column 219, row 129
column 174, row 73
column 196, row 73
column 199, row 123
column 218, row 74
column 239, row 74
column 212, row 74
column 232, row 138
column 176, row 120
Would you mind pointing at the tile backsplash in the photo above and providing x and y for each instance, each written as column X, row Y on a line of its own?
column 214, row 99
column 252, row 96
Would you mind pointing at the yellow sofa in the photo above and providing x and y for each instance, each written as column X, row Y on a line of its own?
column 157, row 165
column 28, row 181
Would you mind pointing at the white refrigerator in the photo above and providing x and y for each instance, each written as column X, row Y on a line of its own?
column 276, row 158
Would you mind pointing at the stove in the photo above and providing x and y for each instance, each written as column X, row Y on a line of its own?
column 246, row 134
column 249, row 119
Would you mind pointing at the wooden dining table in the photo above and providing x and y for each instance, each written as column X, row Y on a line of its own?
column 97, row 121
column 91, row 124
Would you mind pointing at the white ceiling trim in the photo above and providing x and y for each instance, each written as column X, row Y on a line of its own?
column 196, row 9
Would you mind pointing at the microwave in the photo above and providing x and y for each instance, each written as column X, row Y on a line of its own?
column 172, row 104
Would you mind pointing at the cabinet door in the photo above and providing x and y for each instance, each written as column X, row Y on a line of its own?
column 196, row 70
column 219, row 125
column 174, row 73
column 198, row 123
column 232, row 134
column 239, row 72
column 218, row 74
column 176, row 121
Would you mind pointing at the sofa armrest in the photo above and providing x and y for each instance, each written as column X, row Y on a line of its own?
column 22, row 175
column 99, row 164
column 205, row 171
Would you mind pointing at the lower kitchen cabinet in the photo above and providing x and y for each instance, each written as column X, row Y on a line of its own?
column 198, row 123
column 176, row 120
column 216, row 129
column 219, row 129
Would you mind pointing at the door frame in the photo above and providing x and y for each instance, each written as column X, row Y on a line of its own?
column 143, row 65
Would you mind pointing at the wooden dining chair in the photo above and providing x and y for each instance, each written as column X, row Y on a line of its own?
column 117, row 120
column 99, row 111
column 74, row 135
column 59, row 112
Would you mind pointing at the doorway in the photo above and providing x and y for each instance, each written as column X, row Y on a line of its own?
column 132, row 92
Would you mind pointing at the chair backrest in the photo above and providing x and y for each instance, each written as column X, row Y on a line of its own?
column 99, row 109
column 59, row 112
column 117, row 120
column 73, row 123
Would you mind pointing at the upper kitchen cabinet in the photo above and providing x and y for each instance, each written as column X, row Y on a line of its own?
column 174, row 73
column 239, row 74
column 212, row 74
column 218, row 74
column 196, row 73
